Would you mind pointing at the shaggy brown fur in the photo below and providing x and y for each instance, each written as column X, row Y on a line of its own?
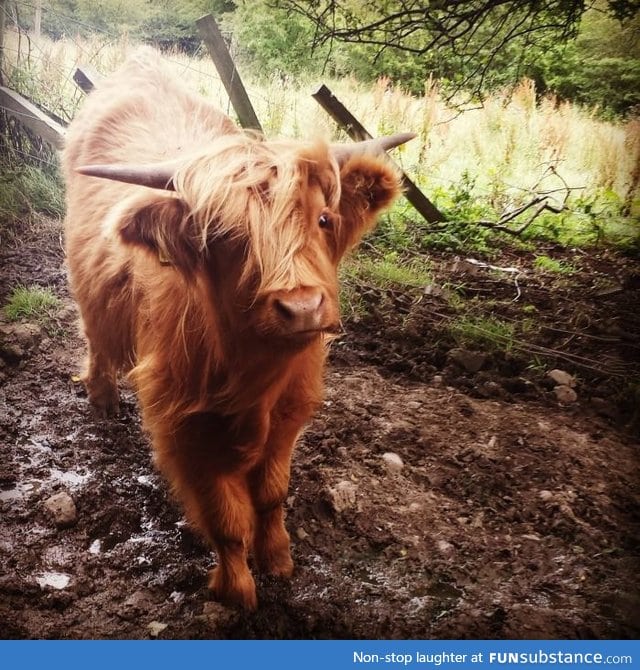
column 216, row 297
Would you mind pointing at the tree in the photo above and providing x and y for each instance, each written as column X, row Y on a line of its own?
column 466, row 38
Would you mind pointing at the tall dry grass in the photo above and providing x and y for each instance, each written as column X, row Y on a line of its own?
column 507, row 144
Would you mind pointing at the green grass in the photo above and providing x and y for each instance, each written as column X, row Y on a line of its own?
column 552, row 265
column 32, row 303
column 392, row 271
column 26, row 189
column 486, row 331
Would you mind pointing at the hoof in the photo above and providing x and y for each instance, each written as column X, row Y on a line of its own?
column 276, row 565
column 104, row 398
column 238, row 592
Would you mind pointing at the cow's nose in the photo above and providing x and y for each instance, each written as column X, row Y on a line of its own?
column 301, row 310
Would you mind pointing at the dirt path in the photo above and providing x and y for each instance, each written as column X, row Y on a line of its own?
column 416, row 511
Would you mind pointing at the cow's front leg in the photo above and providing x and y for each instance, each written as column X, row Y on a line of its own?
column 229, row 524
column 269, row 485
column 99, row 379
column 210, row 478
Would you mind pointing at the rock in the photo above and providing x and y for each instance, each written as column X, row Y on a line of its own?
column 343, row 495
column 437, row 380
column 491, row 389
column 604, row 407
column 301, row 533
column 156, row 627
column 463, row 266
column 414, row 404
column 61, row 509
column 135, row 605
column 444, row 547
column 545, row 496
column 437, row 291
column 562, row 378
column 471, row 361
column 393, row 462
column 216, row 615
column 16, row 339
column 565, row 394
column 11, row 353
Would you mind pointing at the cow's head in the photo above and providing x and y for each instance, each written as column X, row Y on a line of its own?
column 261, row 226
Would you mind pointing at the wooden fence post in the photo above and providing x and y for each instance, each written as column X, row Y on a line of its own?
column 37, row 20
column 30, row 116
column 212, row 37
column 3, row 11
column 356, row 131
column 86, row 78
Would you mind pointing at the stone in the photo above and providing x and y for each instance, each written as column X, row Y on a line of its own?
column 471, row 361
column 61, row 509
column 16, row 339
column 562, row 378
column 444, row 547
column 393, row 462
column 437, row 291
column 12, row 353
column 491, row 389
column 343, row 495
column 565, row 394
column 156, row 627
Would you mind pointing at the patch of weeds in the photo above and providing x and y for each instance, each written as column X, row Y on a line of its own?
column 490, row 332
column 538, row 365
column 552, row 265
column 352, row 306
column 391, row 270
column 25, row 189
column 593, row 220
column 33, row 303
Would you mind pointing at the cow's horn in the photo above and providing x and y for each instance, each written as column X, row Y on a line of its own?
column 342, row 152
column 154, row 176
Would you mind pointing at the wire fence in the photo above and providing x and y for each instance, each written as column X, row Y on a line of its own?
column 90, row 57
column 63, row 97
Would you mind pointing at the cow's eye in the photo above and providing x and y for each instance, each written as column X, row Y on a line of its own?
column 325, row 222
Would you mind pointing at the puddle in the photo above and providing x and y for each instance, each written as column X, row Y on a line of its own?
column 70, row 478
column 20, row 491
column 25, row 489
column 56, row 580
column 95, row 547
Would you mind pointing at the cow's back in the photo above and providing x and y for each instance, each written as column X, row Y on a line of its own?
column 142, row 114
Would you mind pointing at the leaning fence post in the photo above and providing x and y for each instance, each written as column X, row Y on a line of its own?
column 356, row 131
column 212, row 37
column 86, row 78
column 27, row 114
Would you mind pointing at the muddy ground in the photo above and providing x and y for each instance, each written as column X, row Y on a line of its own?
column 501, row 513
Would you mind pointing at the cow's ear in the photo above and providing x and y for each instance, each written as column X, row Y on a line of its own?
column 369, row 185
column 163, row 225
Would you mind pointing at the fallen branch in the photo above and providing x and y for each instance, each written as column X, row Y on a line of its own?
column 541, row 202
